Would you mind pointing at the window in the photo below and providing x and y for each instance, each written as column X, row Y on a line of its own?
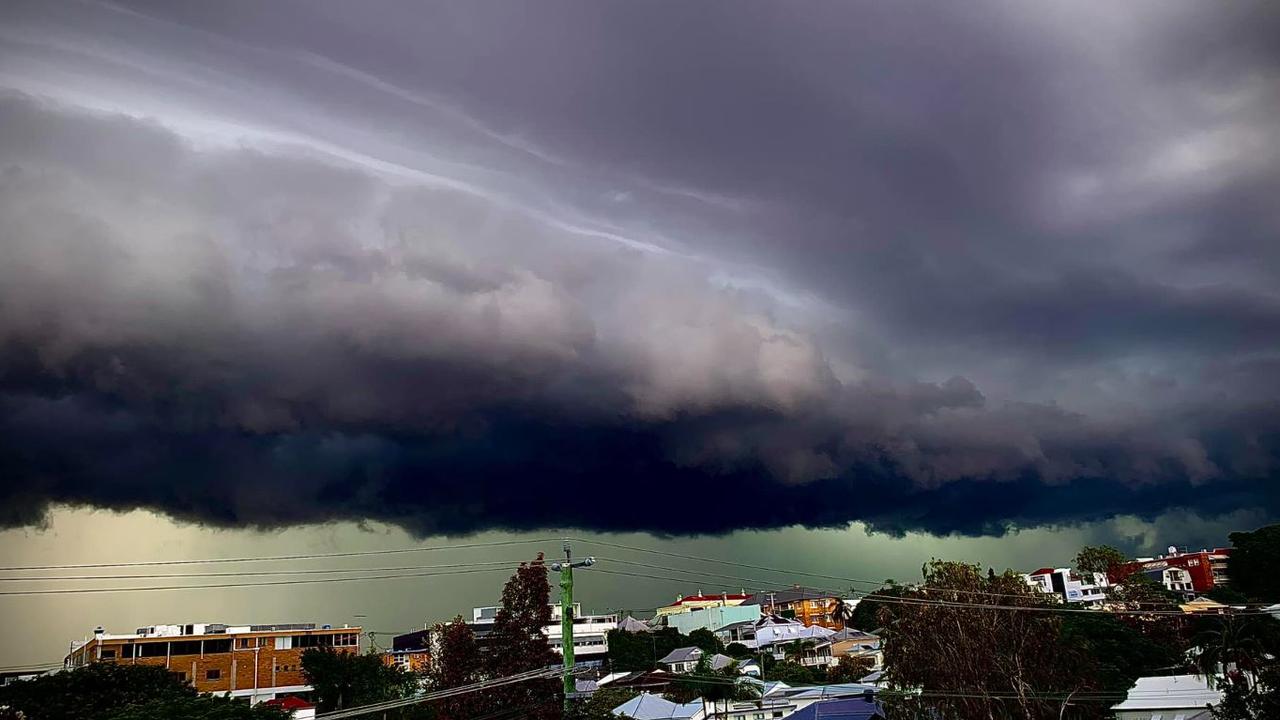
column 185, row 647
column 217, row 646
column 108, row 654
column 212, row 674
column 777, row 713
column 179, row 675
column 154, row 649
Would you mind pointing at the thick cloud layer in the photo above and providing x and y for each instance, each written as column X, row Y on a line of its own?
column 640, row 266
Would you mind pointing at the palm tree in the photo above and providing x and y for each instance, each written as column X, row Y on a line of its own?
column 1232, row 645
column 796, row 649
column 842, row 612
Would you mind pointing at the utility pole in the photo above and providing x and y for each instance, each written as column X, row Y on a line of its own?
column 566, row 616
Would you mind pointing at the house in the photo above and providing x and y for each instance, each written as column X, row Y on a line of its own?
column 1176, row 697
column 847, row 709
column 1206, row 569
column 254, row 662
column 856, row 643
column 781, row 636
column 684, row 604
column 778, row 700
column 1203, row 606
column 630, row 624
column 806, row 605
column 410, row 660
column 681, row 660
column 712, row 618
column 742, row 632
column 590, row 632
column 650, row 680
column 1069, row 585
column 655, row 707
column 298, row 708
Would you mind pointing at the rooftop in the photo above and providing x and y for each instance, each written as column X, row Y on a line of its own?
column 1170, row 693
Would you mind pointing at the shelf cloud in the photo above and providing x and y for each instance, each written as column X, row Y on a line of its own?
column 660, row 267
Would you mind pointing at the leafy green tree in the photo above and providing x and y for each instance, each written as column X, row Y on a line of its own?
column 1245, row 700
column 107, row 691
column 1120, row 651
column 1099, row 558
column 641, row 651
column 1226, row 595
column 520, row 644
column 345, row 680
column 877, row 609
column 601, row 704
column 204, row 707
column 1230, row 644
column 738, row 651
column 706, row 640
column 793, row 673
column 849, row 669
column 1254, row 567
column 985, row 662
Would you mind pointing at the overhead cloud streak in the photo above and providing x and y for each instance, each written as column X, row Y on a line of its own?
column 461, row 270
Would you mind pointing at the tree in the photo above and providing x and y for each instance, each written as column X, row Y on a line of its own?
column 985, row 662
column 1255, row 563
column 1121, row 652
column 738, row 651
column 519, row 643
column 345, row 680
column 843, row 611
column 630, row 651
column 107, row 691
column 706, row 641
column 1099, row 558
column 601, row 704
column 1251, row 701
column 877, row 609
column 1230, row 645
column 793, row 673
column 456, row 663
column 849, row 669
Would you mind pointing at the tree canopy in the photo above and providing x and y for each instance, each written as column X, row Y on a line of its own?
column 345, row 680
column 107, row 691
column 519, row 644
column 1255, row 563
column 1099, row 558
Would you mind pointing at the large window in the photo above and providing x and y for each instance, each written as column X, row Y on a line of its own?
column 153, row 649
column 185, row 647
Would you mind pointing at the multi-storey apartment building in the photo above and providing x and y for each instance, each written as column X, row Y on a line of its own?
column 1205, row 569
column 257, row 662
column 808, row 606
column 590, row 632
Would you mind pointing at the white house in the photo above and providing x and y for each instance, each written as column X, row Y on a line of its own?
column 1176, row 697
column 1070, row 585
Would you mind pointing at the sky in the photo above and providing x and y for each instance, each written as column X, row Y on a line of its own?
column 908, row 274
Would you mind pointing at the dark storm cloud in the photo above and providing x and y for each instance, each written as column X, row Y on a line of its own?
column 939, row 268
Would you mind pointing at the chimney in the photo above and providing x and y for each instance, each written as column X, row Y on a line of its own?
column 98, row 631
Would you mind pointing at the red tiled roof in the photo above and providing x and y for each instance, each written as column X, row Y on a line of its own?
column 1043, row 571
column 706, row 598
column 289, row 703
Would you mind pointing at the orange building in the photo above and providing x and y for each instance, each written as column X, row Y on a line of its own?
column 418, row 660
column 811, row 607
column 257, row 662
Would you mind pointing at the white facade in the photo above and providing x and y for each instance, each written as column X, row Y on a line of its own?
column 1070, row 585
column 590, row 632
column 1169, row 698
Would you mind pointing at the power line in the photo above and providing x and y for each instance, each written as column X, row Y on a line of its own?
column 270, row 583
column 248, row 573
column 538, row 674
column 271, row 558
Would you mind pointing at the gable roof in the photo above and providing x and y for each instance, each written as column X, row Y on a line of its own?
column 684, row 654
column 630, row 624
column 847, row 709
column 1174, row 692
column 655, row 707
column 710, row 598
column 720, row 662
column 799, row 593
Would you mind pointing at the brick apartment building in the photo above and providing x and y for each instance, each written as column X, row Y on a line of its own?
column 1207, row 568
column 256, row 662
column 811, row 607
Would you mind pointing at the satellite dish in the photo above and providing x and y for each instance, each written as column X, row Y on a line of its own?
column 1173, row 549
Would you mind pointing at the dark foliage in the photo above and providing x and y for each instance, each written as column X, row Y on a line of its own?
column 345, row 680
column 106, row 691
column 1255, row 563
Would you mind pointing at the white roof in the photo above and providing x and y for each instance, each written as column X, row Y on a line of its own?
column 1171, row 692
